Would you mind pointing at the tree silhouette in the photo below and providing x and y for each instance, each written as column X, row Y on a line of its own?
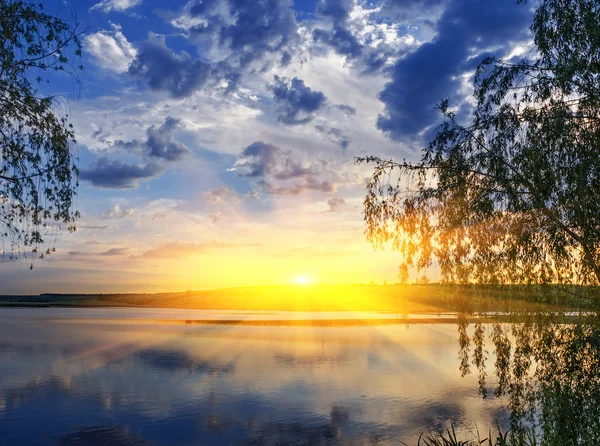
column 512, row 196
column 38, row 171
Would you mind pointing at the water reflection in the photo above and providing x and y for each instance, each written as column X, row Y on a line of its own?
column 130, row 383
column 548, row 366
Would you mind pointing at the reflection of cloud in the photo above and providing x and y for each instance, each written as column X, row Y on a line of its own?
column 312, row 361
column 268, row 385
column 102, row 435
column 174, row 361
column 334, row 431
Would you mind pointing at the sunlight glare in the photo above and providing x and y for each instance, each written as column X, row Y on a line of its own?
column 303, row 280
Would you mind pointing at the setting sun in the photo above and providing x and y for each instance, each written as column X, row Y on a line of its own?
column 303, row 280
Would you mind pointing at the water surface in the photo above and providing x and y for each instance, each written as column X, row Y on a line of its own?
column 118, row 376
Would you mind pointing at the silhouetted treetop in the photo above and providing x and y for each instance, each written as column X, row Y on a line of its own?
column 512, row 195
column 38, row 171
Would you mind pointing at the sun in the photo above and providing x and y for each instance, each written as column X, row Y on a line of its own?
column 303, row 280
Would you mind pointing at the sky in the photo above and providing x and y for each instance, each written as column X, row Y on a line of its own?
column 217, row 138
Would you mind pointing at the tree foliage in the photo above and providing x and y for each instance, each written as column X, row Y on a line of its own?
column 513, row 196
column 548, row 368
column 38, row 171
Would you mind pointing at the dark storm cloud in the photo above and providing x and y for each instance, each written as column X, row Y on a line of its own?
column 257, row 160
column 161, row 144
column 250, row 29
column 341, row 39
column 296, row 102
column 116, row 174
column 402, row 8
column 260, row 159
column 334, row 135
column 339, row 10
column 129, row 146
column 247, row 31
column 277, row 173
column 346, row 109
column 162, row 69
column 421, row 79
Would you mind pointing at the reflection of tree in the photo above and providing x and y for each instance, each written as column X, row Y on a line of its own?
column 549, row 368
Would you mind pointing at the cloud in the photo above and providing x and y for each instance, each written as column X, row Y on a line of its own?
column 216, row 217
column 221, row 194
column 309, row 183
column 116, row 174
column 362, row 39
column 296, row 102
column 334, row 135
column 179, row 249
column 115, row 5
column 277, row 173
column 161, row 144
column 339, row 38
column 110, row 49
column 257, row 160
column 116, row 212
column 113, row 252
column 230, row 35
column 249, row 30
column 339, row 10
column 336, row 204
column 424, row 77
column 346, row 109
column 162, row 69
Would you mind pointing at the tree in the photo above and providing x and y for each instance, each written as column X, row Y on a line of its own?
column 38, row 171
column 548, row 367
column 514, row 195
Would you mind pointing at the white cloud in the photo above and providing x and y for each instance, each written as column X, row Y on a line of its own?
column 116, row 212
column 115, row 5
column 110, row 49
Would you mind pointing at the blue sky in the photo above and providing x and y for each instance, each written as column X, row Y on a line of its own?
column 216, row 137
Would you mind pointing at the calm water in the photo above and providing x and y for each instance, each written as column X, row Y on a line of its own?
column 116, row 376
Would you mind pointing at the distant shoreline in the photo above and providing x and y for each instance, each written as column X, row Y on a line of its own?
column 396, row 298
